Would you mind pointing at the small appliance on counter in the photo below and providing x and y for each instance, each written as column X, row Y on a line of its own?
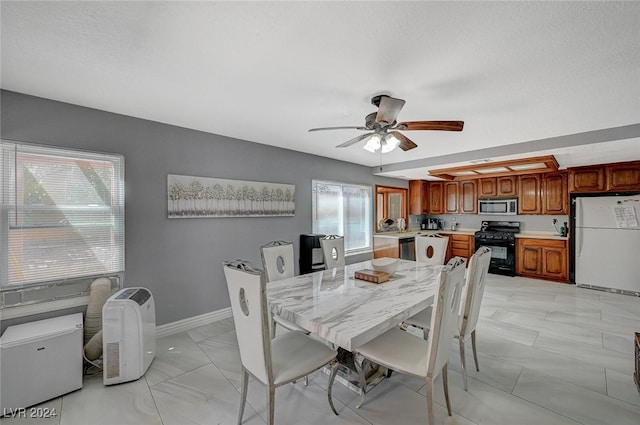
column 433, row 224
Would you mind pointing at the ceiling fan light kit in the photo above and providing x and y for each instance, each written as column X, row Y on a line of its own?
column 385, row 136
column 386, row 143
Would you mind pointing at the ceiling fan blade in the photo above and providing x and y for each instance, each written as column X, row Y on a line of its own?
column 431, row 125
column 339, row 128
column 389, row 109
column 405, row 143
column 355, row 140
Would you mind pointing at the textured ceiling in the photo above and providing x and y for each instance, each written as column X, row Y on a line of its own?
column 515, row 72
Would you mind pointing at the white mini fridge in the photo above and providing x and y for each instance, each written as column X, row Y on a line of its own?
column 39, row 361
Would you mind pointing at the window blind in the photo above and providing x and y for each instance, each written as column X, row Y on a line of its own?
column 61, row 216
column 343, row 209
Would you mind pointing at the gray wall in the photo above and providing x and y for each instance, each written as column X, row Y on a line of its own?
column 179, row 260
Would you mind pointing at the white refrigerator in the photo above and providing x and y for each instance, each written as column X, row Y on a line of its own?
column 607, row 243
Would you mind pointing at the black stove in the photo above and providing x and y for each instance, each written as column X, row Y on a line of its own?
column 500, row 237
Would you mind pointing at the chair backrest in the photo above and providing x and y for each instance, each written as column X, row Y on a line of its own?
column 431, row 249
column 474, row 290
column 332, row 251
column 277, row 260
column 246, row 286
column 444, row 318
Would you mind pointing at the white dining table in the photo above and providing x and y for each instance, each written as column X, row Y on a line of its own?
column 349, row 312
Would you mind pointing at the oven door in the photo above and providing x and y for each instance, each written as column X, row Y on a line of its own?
column 503, row 257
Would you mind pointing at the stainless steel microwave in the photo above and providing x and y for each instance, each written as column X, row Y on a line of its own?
column 504, row 206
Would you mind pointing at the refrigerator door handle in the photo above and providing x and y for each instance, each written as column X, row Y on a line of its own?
column 579, row 209
column 579, row 231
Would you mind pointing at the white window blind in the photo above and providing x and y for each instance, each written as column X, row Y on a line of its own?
column 343, row 209
column 61, row 216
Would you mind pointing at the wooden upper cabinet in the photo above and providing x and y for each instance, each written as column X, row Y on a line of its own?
column 418, row 197
column 624, row 176
column 436, row 197
column 507, row 186
column 490, row 187
column 468, row 197
column 586, row 179
column 451, row 197
column 530, row 190
column 555, row 198
column 487, row 187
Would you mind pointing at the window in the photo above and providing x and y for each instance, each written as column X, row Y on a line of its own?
column 343, row 209
column 61, row 216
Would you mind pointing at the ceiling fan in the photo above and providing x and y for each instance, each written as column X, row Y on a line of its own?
column 385, row 130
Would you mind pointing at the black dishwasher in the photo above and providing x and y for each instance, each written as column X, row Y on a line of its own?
column 408, row 248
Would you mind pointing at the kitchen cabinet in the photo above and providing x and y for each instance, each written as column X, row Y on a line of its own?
column 586, row 179
column 460, row 197
column 530, row 190
column 555, row 197
column 542, row 259
column 543, row 194
column 386, row 247
column 450, row 197
column 459, row 246
column 468, row 197
column 623, row 176
column 418, row 197
column 491, row 187
column 436, row 197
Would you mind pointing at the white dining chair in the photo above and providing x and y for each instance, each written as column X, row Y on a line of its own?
column 431, row 249
column 469, row 308
column 278, row 260
column 277, row 361
column 405, row 353
column 332, row 251
column 278, row 263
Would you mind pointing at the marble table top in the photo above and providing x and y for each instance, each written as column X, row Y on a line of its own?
column 335, row 306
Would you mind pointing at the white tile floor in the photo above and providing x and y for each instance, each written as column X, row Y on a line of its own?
column 549, row 354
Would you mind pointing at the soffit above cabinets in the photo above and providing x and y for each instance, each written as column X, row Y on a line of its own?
column 539, row 164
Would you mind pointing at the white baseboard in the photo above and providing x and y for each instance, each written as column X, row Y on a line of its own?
column 192, row 322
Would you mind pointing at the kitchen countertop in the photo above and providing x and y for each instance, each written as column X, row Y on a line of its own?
column 470, row 232
column 413, row 232
column 541, row 235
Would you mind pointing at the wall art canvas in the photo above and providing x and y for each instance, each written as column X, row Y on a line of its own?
column 190, row 196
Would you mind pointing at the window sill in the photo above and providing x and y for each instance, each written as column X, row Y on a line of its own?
column 44, row 307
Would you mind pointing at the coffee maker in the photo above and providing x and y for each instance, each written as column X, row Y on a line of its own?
column 432, row 224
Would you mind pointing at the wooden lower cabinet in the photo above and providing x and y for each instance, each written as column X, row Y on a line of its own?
column 386, row 247
column 460, row 246
column 542, row 259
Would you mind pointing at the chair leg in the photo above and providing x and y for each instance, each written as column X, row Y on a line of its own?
column 445, row 382
column 429, row 388
column 473, row 346
column 243, row 393
column 273, row 329
column 271, row 401
column 357, row 361
column 334, row 371
column 463, row 362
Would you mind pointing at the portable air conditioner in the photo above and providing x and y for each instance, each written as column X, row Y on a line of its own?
column 128, row 335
